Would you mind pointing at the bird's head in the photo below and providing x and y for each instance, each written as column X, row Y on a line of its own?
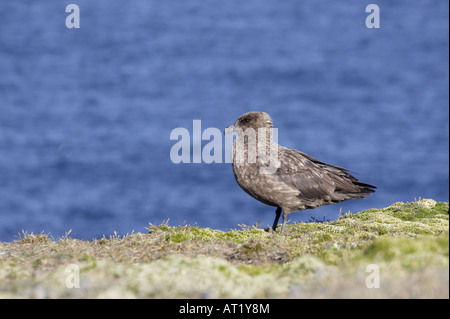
column 254, row 120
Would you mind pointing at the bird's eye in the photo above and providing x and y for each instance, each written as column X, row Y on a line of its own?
column 246, row 120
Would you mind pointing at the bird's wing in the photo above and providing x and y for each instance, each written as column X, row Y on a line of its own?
column 345, row 182
column 300, row 172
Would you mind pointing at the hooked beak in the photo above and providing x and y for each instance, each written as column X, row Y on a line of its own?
column 230, row 129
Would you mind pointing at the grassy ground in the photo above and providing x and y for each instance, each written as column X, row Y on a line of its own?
column 403, row 249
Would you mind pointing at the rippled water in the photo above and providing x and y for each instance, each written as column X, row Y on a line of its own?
column 86, row 114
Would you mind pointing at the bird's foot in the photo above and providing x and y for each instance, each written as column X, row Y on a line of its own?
column 270, row 229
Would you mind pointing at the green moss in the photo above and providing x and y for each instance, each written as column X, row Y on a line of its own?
column 418, row 252
column 179, row 234
column 424, row 217
column 253, row 270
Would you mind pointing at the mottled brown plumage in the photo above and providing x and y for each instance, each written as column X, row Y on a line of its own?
column 290, row 181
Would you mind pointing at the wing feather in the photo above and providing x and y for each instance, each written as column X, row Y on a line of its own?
column 315, row 179
column 308, row 178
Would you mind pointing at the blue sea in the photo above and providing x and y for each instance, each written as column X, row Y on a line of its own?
column 86, row 113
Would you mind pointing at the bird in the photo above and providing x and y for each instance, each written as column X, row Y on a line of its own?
column 283, row 177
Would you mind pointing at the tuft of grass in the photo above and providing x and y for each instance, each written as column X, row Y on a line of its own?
column 31, row 238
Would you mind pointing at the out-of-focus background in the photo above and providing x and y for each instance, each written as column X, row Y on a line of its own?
column 86, row 114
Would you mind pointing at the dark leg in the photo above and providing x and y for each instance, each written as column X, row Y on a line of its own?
column 277, row 217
